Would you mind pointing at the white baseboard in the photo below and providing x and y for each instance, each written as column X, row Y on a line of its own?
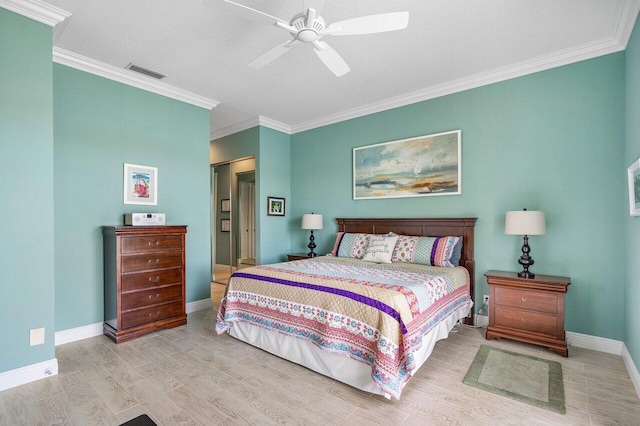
column 595, row 343
column 78, row 333
column 30, row 373
column 93, row 330
column 199, row 305
column 609, row 346
column 631, row 369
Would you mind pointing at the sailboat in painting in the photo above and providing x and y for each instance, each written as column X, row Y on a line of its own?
column 417, row 169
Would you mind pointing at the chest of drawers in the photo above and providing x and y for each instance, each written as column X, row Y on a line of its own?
column 528, row 309
column 144, row 279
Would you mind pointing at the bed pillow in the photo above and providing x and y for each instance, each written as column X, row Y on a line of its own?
column 380, row 249
column 457, row 253
column 350, row 245
column 433, row 251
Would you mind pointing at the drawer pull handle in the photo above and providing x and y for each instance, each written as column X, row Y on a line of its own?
column 152, row 261
column 151, row 314
column 152, row 280
column 151, row 243
column 524, row 299
column 157, row 296
column 524, row 320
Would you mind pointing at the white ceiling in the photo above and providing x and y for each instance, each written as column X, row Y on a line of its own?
column 448, row 46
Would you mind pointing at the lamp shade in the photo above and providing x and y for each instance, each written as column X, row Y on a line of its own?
column 525, row 222
column 311, row 221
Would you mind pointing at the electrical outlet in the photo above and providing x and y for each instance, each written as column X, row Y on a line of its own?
column 486, row 299
column 36, row 336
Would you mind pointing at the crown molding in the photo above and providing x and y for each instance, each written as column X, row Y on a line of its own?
column 543, row 63
column 217, row 133
column 82, row 63
column 274, row 125
column 627, row 15
column 36, row 10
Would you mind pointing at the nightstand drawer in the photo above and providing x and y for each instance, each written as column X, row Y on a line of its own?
column 526, row 299
column 140, row 299
column 526, row 320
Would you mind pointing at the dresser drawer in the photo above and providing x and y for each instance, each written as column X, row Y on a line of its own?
column 151, row 314
column 150, row 243
column 142, row 280
column 150, row 297
column 526, row 299
column 526, row 320
column 148, row 261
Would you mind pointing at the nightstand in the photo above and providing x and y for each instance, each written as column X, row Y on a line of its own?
column 297, row 256
column 528, row 309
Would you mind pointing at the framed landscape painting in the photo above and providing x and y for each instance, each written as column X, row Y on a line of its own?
column 140, row 184
column 417, row 167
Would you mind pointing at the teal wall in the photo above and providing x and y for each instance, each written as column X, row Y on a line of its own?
column 274, row 179
column 26, row 190
column 550, row 141
column 100, row 125
column 632, row 224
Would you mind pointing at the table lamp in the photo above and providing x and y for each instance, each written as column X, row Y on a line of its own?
column 525, row 223
column 312, row 222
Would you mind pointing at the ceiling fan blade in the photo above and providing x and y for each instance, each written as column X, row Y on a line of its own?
column 245, row 12
column 370, row 24
column 273, row 54
column 316, row 5
column 331, row 58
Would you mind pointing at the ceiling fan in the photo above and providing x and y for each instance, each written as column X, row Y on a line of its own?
column 309, row 27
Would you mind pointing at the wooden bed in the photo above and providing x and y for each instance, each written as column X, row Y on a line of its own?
column 248, row 314
column 424, row 227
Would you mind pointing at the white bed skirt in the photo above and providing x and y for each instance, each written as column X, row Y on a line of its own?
column 338, row 367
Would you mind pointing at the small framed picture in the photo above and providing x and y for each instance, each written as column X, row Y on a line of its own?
column 225, row 205
column 275, row 206
column 225, row 225
column 140, row 184
column 633, row 173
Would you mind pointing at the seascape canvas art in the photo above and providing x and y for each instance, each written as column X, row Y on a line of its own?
column 422, row 166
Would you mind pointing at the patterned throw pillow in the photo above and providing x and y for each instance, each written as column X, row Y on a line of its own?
column 380, row 249
column 433, row 251
column 350, row 245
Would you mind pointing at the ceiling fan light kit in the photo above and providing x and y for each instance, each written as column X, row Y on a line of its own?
column 308, row 27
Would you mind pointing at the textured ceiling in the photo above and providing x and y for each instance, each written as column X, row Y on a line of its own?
column 448, row 45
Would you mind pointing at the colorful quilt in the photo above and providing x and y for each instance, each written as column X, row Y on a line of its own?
column 373, row 313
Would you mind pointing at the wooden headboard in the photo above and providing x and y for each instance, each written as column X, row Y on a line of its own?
column 423, row 227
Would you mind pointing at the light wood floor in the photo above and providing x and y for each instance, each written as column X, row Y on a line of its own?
column 190, row 376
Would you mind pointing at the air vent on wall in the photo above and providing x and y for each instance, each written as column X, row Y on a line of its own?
column 145, row 71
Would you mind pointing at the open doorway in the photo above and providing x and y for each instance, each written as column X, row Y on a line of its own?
column 233, row 218
column 246, row 250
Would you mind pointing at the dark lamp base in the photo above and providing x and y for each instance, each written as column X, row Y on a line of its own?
column 526, row 274
column 312, row 254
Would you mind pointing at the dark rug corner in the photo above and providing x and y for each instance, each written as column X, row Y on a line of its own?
column 142, row 420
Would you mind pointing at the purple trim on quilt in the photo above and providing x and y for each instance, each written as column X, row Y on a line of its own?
column 434, row 251
column 348, row 294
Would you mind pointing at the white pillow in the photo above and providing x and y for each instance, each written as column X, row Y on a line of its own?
column 380, row 249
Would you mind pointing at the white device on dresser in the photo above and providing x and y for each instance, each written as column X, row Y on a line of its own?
column 144, row 219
